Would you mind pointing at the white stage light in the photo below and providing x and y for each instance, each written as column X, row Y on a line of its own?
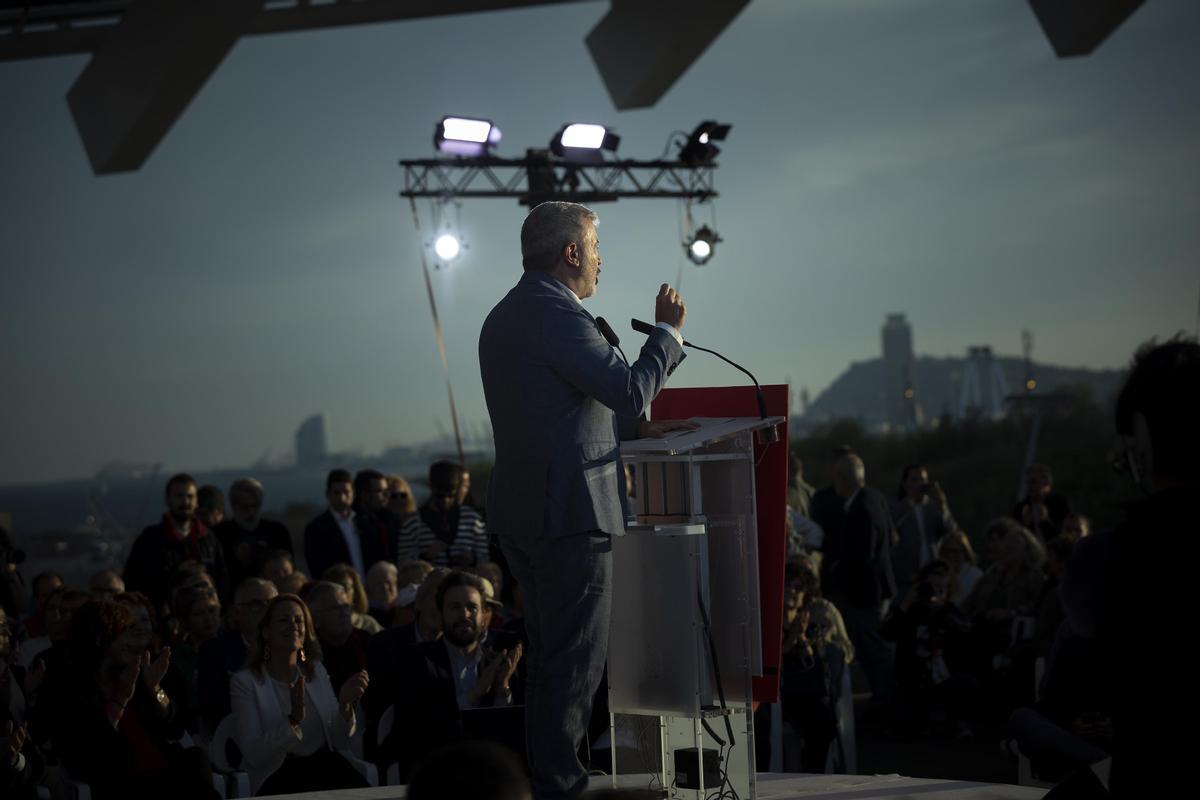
column 700, row 247
column 464, row 136
column 447, row 247
column 582, row 134
column 701, row 250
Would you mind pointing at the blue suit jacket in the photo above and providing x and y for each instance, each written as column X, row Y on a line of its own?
column 555, row 389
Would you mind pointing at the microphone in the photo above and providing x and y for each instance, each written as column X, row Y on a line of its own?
column 610, row 336
column 772, row 434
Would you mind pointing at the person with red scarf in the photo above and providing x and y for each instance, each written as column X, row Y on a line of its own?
column 160, row 549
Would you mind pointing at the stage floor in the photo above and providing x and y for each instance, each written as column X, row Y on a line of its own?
column 784, row 786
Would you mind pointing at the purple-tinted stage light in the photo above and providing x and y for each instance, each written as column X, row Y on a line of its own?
column 583, row 141
column 464, row 136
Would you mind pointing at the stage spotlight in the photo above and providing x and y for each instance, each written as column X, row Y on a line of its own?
column 700, row 247
column 463, row 136
column 700, row 148
column 447, row 247
column 581, row 141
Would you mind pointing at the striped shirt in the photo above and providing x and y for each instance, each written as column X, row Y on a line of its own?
column 470, row 538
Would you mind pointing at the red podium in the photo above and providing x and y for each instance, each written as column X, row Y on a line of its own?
column 690, row 579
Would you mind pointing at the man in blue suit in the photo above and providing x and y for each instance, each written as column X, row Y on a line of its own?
column 560, row 401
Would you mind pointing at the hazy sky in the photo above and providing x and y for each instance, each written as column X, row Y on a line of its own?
column 929, row 157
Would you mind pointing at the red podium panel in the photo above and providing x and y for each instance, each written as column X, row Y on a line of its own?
column 770, row 480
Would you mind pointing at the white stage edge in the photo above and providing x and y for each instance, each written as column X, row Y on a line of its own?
column 785, row 786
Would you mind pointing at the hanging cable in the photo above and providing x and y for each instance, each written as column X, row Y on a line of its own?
column 437, row 332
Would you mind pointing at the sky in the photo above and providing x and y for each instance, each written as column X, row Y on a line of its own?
column 929, row 157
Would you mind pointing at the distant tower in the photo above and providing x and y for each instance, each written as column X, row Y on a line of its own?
column 310, row 442
column 983, row 385
column 898, row 389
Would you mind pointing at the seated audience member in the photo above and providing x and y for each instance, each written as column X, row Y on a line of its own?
column 409, row 577
column 929, row 632
column 349, row 579
column 276, row 566
column 116, row 723
column 384, row 651
column 53, row 663
column 383, row 593
column 189, row 576
column 226, row 653
column 921, row 516
column 443, row 531
column 210, row 506
column 199, row 614
column 1013, row 581
column 106, row 585
column 343, row 646
column 435, row 681
column 955, row 549
column 807, row 683
column 1008, row 591
column 1076, row 527
column 12, row 579
column 160, row 549
column 1042, row 510
column 43, row 584
column 246, row 538
column 401, row 501
column 294, row 583
column 21, row 763
column 293, row 730
column 470, row 770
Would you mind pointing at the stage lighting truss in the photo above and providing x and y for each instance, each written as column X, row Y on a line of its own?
column 465, row 136
column 539, row 177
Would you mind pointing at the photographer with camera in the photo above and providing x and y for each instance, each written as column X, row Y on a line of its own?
column 921, row 515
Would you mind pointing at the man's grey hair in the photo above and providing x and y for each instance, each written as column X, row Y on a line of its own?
column 322, row 588
column 549, row 228
column 243, row 588
column 251, row 486
column 382, row 567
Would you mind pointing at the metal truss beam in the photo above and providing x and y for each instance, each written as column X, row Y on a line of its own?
column 538, row 177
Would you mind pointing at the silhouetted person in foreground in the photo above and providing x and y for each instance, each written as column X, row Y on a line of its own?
column 1120, row 590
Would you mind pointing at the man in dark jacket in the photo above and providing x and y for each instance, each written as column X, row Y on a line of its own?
column 856, row 570
column 160, row 549
column 246, row 537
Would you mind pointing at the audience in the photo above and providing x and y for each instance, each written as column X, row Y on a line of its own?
column 401, row 501
column 810, row 677
column 344, row 647
column 349, row 579
column 247, row 538
column 225, row 653
column 955, row 549
column 1042, row 510
column 160, row 549
column 210, row 506
column 856, row 569
column 106, row 585
column 921, row 516
column 276, row 567
column 436, row 681
column 378, row 528
column 291, row 726
column 383, row 592
column 445, row 532
column 117, row 725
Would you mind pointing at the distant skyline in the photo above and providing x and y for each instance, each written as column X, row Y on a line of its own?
column 932, row 158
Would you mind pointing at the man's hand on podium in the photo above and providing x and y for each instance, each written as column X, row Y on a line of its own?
column 658, row 430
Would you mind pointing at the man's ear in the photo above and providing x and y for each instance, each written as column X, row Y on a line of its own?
column 571, row 254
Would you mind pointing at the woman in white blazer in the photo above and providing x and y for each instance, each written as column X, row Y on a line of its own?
column 293, row 732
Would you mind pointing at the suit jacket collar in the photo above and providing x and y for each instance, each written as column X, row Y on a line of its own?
column 531, row 279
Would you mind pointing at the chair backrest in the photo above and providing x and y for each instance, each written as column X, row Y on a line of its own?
column 223, row 750
column 386, row 720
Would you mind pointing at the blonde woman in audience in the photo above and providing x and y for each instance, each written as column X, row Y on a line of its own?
column 293, row 730
column 955, row 549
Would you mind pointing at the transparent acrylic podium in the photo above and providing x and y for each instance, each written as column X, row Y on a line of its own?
column 685, row 609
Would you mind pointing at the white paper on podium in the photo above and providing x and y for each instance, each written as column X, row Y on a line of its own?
column 712, row 429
